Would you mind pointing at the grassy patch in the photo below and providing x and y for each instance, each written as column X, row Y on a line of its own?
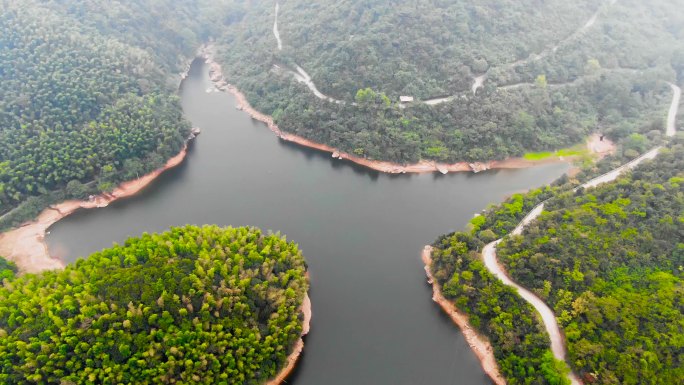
column 538, row 155
column 578, row 150
column 571, row 152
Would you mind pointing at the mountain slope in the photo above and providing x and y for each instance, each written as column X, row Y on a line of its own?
column 552, row 72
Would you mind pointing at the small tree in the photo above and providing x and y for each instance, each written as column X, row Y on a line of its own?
column 541, row 81
column 75, row 189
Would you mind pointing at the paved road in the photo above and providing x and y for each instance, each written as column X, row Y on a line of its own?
column 547, row 315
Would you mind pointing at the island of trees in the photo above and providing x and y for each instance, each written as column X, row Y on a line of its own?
column 193, row 305
column 608, row 261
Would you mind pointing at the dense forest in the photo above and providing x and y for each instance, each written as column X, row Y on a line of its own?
column 609, row 262
column 555, row 72
column 192, row 305
column 90, row 86
column 89, row 95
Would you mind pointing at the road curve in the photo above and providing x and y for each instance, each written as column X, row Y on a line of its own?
column 548, row 317
column 303, row 77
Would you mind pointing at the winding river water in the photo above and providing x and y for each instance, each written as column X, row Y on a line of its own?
column 374, row 321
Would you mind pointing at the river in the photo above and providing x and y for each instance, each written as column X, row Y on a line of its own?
column 361, row 232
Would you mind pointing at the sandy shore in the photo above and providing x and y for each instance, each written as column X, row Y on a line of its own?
column 299, row 345
column 479, row 344
column 425, row 166
column 26, row 245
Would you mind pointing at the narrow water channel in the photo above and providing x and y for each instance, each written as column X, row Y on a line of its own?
column 361, row 232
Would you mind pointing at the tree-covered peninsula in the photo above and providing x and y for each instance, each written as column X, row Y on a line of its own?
column 88, row 95
column 193, row 305
column 607, row 260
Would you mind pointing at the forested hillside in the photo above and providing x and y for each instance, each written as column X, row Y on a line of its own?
column 89, row 86
column 88, row 94
column 191, row 305
column 608, row 261
column 521, row 345
column 552, row 72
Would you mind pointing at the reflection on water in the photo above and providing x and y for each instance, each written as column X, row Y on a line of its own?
column 362, row 232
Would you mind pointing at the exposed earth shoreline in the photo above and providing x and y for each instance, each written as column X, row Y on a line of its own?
column 425, row 166
column 298, row 347
column 26, row 245
column 478, row 344
column 556, row 335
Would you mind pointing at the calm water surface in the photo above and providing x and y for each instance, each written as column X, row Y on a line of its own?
column 362, row 232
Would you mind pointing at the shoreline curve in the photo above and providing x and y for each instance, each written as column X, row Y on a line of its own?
column 479, row 344
column 207, row 52
column 298, row 347
column 25, row 245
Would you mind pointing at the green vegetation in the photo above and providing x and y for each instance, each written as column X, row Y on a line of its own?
column 576, row 151
column 88, row 95
column 191, row 305
column 89, row 86
column 538, row 155
column 608, row 78
column 520, row 342
column 7, row 269
column 609, row 262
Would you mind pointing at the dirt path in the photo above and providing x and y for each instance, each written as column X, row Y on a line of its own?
column 479, row 344
column 670, row 130
column 479, row 81
column 674, row 108
column 614, row 174
column 303, row 77
column 436, row 101
column 275, row 28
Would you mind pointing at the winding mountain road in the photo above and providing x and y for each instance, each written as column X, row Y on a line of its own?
column 547, row 315
column 479, row 81
column 275, row 28
column 303, row 77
